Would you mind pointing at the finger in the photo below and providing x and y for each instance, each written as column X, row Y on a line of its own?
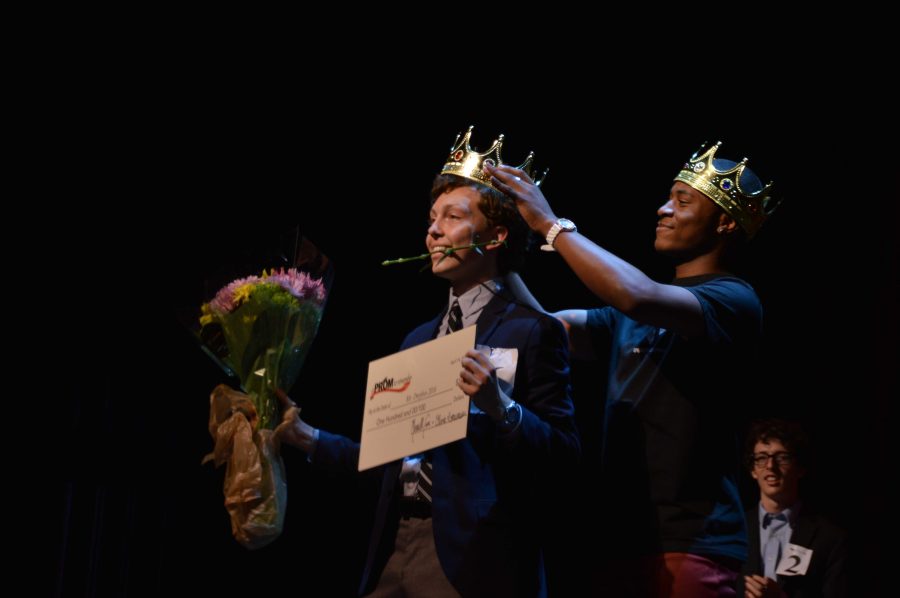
column 476, row 370
column 509, row 182
column 472, row 380
column 510, row 173
column 752, row 585
column 469, row 362
column 280, row 430
column 285, row 400
column 480, row 358
column 519, row 175
column 503, row 187
column 290, row 416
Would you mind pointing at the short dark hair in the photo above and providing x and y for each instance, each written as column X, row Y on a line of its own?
column 790, row 434
column 500, row 209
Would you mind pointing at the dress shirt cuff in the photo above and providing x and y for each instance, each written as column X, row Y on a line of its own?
column 313, row 445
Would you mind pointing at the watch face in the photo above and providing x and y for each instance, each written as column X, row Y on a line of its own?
column 512, row 415
column 567, row 224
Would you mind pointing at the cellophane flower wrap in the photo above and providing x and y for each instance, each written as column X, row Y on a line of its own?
column 268, row 323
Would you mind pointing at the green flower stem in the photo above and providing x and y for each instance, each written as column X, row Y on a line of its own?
column 447, row 252
column 261, row 383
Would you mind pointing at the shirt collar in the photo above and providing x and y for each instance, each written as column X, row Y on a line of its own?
column 790, row 513
column 474, row 300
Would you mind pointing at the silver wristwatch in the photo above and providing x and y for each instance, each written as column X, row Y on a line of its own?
column 512, row 416
column 563, row 225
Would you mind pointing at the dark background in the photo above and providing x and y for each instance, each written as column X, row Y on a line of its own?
column 193, row 174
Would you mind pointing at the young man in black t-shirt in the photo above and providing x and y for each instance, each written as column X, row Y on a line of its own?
column 678, row 355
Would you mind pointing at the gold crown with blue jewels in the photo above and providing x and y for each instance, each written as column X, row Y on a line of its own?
column 749, row 209
column 466, row 162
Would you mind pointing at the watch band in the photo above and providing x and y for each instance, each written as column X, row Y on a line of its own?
column 562, row 225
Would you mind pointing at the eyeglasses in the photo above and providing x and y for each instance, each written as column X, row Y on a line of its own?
column 761, row 459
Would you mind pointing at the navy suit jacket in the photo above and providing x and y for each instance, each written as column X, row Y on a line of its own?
column 826, row 576
column 486, row 486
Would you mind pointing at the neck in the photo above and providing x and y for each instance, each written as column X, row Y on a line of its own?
column 708, row 263
column 485, row 271
column 776, row 504
column 461, row 286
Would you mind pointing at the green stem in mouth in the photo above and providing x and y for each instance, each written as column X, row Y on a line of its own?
column 448, row 251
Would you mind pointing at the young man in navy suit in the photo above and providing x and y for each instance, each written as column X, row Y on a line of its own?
column 777, row 458
column 472, row 532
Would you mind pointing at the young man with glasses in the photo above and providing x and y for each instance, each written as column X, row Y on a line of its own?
column 781, row 528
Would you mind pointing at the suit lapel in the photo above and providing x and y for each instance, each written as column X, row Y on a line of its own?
column 436, row 324
column 754, row 565
column 805, row 532
column 491, row 316
column 802, row 535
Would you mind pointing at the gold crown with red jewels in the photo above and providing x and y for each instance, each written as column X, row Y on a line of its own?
column 466, row 162
column 749, row 209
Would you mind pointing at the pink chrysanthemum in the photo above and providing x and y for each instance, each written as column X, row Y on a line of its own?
column 299, row 284
column 224, row 301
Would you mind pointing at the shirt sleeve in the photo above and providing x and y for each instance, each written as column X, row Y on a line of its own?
column 731, row 309
column 600, row 324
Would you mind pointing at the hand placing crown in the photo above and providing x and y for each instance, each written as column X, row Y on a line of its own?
column 731, row 188
column 466, row 162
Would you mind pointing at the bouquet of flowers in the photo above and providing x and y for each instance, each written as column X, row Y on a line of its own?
column 268, row 323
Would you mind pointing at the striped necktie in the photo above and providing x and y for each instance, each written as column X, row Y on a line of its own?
column 454, row 319
column 423, row 487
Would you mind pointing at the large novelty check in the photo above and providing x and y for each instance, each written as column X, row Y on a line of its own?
column 412, row 401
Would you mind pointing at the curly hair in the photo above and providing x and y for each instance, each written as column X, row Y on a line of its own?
column 789, row 433
column 500, row 209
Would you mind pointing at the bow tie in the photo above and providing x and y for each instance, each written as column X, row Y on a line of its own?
column 768, row 518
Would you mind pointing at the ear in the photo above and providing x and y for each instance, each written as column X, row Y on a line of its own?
column 727, row 224
column 753, row 473
column 500, row 234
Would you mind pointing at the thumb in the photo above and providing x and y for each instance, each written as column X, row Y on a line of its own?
column 289, row 419
column 286, row 401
